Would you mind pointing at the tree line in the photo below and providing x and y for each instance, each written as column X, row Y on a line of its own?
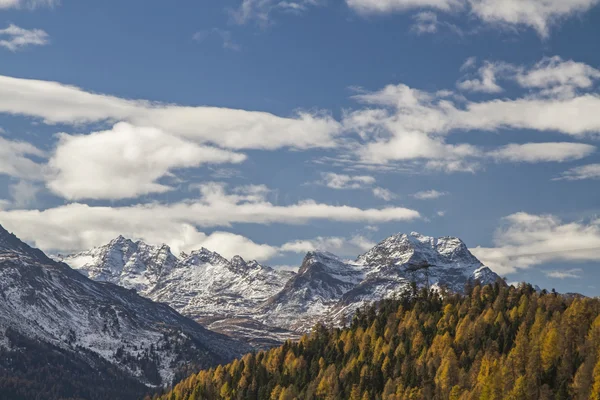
column 494, row 342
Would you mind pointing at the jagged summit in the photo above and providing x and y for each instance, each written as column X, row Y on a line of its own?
column 208, row 287
column 327, row 287
column 201, row 283
column 417, row 249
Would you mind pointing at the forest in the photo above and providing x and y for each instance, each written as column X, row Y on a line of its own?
column 494, row 342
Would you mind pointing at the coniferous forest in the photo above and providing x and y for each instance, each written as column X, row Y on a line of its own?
column 495, row 342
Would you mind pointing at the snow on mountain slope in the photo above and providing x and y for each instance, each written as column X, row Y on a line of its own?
column 134, row 265
column 201, row 284
column 204, row 284
column 48, row 302
column 387, row 269
column 321, row 281
column 245, row 296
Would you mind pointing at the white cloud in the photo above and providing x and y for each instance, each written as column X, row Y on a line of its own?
column 383, row 194
column 542, row 152
column 261, row 10
column 4, row 204
column 539, row 15
column 15, row 38
column 569, row 273
column 429, row 195
column 224, row 36
column 485, row 82
column 389, row 6
column 554, row 71
column 526, row 240
column 225, row 173
column 124, row 162
column 15, row 160
column 229, row 245
column 399, row 123
column 230, row 128
column 340, row 246
column 341, row 181
column 23, row 193
column 292, row 268
column 79, row 226
column 425, row 22
column 590, row 171
column 469, row 63
column 30, row 4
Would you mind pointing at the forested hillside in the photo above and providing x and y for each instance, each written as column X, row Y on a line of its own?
column 495, row 342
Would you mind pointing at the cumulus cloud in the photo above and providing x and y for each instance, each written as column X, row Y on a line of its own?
column 16, row 161
column 539, row 15
column 429, row 195
column 340, row 246
column 399, row 123
column 124, row 162
column 56, row 103
column 485, row 81
column 590, row 171
column 229, row 244
column 542, row 152
column 15, row 38
column 536, row 14
column 526, row 240
column 554, row 71
column 79, row 226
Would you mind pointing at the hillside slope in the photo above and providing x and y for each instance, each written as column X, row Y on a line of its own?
column 495, row 342
column 63, row 333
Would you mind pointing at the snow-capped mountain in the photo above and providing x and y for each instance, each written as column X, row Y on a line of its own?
column 99, row 326
column 134, row 265
column 329, row 289
column 246, row 299
column 199, row 285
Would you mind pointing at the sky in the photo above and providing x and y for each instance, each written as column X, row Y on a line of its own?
column 269, row 128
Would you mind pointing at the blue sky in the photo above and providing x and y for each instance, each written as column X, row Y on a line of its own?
column 271, row 128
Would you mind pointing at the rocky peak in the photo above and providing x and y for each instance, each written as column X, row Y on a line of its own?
column 238, row 264
column 417, row 249
column 10, row 245
column 323, row 259
column 205, row 256
column 120, row 241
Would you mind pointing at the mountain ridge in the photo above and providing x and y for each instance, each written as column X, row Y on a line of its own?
column 216, row 291
column 45, row 304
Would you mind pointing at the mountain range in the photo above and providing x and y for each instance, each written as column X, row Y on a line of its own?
column 264, row 306
column 100, row 340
